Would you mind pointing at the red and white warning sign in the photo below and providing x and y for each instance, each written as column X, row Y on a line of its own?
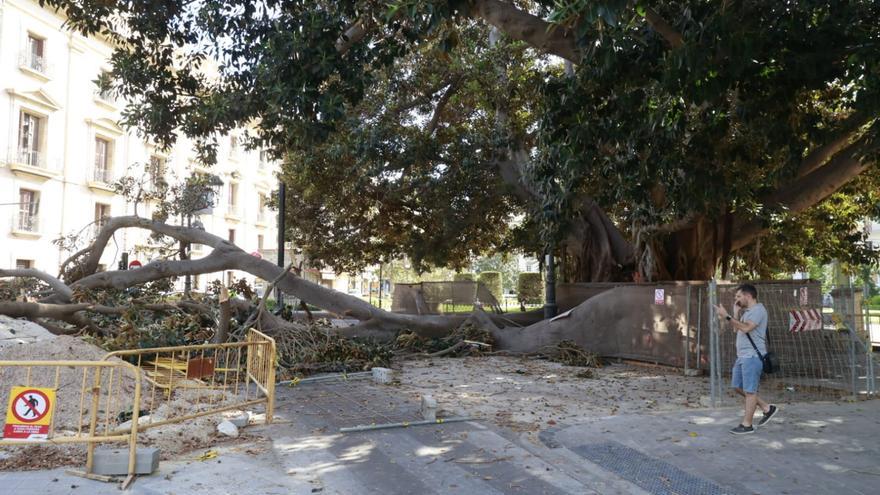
column 659, row 296
column 29, row 415
column 804, row 319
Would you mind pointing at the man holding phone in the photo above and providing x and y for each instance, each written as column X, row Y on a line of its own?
column 748, row 367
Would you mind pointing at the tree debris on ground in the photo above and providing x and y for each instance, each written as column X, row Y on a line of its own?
column 569, row 353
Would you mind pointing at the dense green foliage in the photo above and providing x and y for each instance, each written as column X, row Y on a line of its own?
column 530, row 288
column 392, row 146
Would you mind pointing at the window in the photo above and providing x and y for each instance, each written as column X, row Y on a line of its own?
column 232, row 236
column 233, row 194
column 105, row 94
column 102, row 213
column 34, row 56
column 232, row 199
column 23, row 264
column 28, row 210
column 29, row 139
column 262, row 216
column 259, row 242
column 102, row 160
column 156, row 171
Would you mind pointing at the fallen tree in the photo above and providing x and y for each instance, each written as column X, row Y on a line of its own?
column 66, row 302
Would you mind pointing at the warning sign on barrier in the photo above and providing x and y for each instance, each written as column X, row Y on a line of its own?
column 805, row 319
column 29, row 415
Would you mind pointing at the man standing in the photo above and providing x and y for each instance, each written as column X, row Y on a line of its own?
column 751, row 339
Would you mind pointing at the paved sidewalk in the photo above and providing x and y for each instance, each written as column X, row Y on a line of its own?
column 815, row 448
column 808, row 449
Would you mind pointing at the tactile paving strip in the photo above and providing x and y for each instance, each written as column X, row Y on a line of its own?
column 652, row 475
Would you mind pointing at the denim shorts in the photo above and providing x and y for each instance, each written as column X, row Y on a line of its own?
column 747, row 374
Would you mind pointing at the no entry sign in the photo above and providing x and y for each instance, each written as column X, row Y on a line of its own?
column 29, row 414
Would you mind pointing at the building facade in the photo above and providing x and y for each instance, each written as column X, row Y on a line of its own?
column 61, row 150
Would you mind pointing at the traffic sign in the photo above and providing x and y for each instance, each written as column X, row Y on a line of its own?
column 800, row 320
column 29, row 415
column 134, row 264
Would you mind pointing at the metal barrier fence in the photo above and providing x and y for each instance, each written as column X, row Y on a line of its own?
column 822, row 354
column 91, row 398
column 186, row 382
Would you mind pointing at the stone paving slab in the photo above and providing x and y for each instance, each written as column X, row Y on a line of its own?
column 808, row 448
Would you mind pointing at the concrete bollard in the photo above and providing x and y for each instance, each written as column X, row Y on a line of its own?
column 383, row 375
column 429, row 408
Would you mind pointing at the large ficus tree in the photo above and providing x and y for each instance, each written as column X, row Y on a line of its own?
column 684, row 136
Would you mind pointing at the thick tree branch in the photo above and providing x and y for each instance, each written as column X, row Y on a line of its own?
column 809, row 190
column 58, row 286
column 352, row 35
column 227, row 256
column 70, row 313
column 659, row 24
column 522, row 26
column 441, row 105
column 851, row 128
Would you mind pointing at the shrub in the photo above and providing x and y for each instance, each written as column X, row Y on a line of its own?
column 492, row 281
column 463, row 277
column 530, row 288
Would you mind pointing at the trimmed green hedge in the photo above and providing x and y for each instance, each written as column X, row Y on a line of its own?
column 463, row 277
column 492, row 281
column 530, row 288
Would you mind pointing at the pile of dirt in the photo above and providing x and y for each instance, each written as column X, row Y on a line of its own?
column 71, row 414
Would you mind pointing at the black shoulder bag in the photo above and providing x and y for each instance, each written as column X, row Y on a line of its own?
column 769, row 360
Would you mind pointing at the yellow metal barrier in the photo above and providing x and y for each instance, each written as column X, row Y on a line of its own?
column 212, row 378
column 96, row 402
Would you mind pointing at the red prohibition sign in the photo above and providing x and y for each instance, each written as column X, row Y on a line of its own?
column 27, row 399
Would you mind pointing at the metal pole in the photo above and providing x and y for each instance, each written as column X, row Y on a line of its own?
column 714, row 370
column 405, row 424
column 550, row 287
column 687, row 329
column 380, row 285
column 282, row 193
column 187, row 282
column 699, row 327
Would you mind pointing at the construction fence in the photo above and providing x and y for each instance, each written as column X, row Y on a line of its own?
column 824, row 351
column 822, row 336
column 131, row 391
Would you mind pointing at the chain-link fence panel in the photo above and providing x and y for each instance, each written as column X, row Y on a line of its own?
column 822, row 353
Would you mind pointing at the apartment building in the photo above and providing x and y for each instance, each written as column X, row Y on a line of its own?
column 61, row 149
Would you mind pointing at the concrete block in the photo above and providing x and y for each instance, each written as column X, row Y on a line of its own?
column 429, row 408
column 238, row 418
column 383, row 375
column 114, row 462
column 228, row 428
column 693, row 372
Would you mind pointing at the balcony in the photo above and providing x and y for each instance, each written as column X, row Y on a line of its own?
column 34, row 65
column 26, row 224
column 106, row 99
column 233, row 213
column 30, row 163
column 101, row 180
column 264, row 218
